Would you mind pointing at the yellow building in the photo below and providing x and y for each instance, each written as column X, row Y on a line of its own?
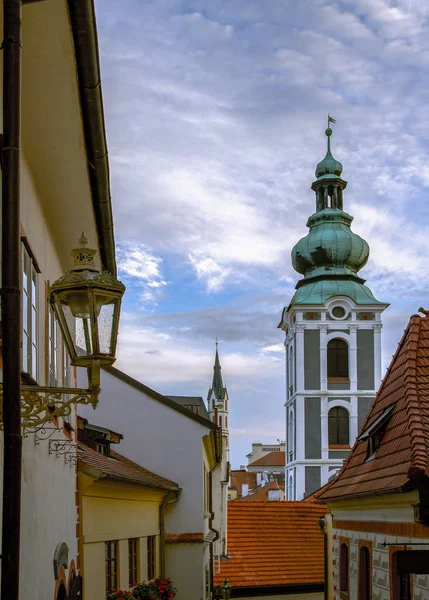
column 121, row 505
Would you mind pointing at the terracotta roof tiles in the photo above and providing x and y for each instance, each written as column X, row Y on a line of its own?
column 117, row 466
column 272, row 544
column 272, row 459
column 240, row 477
column 403, row 455
column 260, row 493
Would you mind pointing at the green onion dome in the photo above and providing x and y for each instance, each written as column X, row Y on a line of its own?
column 330, row 249
column 329, row 165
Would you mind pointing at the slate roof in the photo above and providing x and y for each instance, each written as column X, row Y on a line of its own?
column 260, row 494
column 118, row 467
column 195, row 401
column 403, row 456
column 217, row 384
column 272, row 544
column 272, row 459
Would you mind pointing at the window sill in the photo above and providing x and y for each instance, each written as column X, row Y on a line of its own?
column 338, row 380
column 338, row 447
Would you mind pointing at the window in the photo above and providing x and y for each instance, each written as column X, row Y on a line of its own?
column 364, row 573
column 226, row 422
column 29, row 314
column 220, row 420
column 344, row 567
column 52, row 348
column 103, row 449
column 151, row 557
column 338, row 312
column 111, row 565
column 375, row 432
column 338, row 427
column 400, row 584
column 291, row 369
column 291, row 436
column 133, row 561
column 338, row 359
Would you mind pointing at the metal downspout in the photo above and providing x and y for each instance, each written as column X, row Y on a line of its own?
column 215, row 531
column 11, row 299
column 171, row 497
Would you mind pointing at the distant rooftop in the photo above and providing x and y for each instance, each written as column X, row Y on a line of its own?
column 192, row 403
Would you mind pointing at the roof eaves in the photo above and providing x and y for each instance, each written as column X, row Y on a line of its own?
column 141, row 387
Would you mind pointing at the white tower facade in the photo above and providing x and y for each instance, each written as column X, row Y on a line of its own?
column 332, row 339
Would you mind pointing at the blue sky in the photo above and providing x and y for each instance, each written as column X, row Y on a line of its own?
column 215, row 113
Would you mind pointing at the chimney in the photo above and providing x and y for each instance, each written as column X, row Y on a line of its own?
column 274, row 495
column 242, row 467
column 258, row 479
column 244, row 490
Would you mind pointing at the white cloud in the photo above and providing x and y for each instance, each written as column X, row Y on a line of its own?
column 142, row 269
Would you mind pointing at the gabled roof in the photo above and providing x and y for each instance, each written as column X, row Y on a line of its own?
column 116, row 467
column 273, row 544
column 240, row 477
column 196, row 402
column 272, row 459
column 260, row 493
column 402, row 459
column 141, row 387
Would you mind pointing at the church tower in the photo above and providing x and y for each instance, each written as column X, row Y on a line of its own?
column 333, row 339
column 217, row 406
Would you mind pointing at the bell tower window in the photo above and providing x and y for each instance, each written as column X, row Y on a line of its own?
column 338, row 427
column 338, row 359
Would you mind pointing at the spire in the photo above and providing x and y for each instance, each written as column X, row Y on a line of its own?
column 331, row 255
column 217, row 385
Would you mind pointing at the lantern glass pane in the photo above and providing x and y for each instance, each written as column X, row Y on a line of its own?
column 105, row 327
column 83, row 341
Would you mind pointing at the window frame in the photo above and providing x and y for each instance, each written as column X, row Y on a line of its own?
column 151, row 557
column 344, row 577
column 395, row 579
column 30, row 316
column 338, row 429
column 365, row 544
column 334, row 360
column 111, row 576
column 133, row 561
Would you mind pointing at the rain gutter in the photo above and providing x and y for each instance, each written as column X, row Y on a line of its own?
column 84, row 30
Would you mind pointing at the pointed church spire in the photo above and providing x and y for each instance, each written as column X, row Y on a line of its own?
column 217, row 385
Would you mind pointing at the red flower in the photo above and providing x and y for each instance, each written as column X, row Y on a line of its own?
column 152, row 598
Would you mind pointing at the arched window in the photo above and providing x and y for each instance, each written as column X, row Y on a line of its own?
column 220, row 420
column 291, row 371
column 226, row 422
column 338, row 358
column 62, row 594
column 291, row 436
column 226, row 403
column 290, row 488
column 344, row 568
column 364, row 574
column 401, row 585
column 338, row 427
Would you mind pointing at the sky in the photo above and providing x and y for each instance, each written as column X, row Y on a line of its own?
column 215, row 114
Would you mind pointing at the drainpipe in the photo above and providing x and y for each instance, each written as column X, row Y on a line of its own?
column 323, row 528
column 215, row 531
column 11, row 299
column 169, row 498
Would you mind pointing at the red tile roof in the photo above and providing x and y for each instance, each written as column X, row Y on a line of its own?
column 117, row 467
column 240, row 477
column 272, row 544
column 260, row 494
column 403, row 455
column 272, row 459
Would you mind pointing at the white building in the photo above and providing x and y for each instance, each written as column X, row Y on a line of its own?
column 61, row 195
column 333, row 340
column 176, row 443
column 259, row 450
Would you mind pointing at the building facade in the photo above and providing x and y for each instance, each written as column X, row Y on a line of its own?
column 180, row 445
column 379, row 501
column 332, row 338
column 60, row 197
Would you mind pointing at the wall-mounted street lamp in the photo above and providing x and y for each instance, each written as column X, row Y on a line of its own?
column 86, row 303
column 225, row 590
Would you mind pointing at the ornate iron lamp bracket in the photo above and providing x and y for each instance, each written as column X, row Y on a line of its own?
column 40, row 405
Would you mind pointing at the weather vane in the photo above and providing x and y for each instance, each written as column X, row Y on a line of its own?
column 331, row 120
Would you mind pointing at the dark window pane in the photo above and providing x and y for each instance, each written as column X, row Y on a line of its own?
column 338, row 427
column 338, row 358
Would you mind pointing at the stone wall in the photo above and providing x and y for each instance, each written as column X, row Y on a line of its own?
column 380, row 564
